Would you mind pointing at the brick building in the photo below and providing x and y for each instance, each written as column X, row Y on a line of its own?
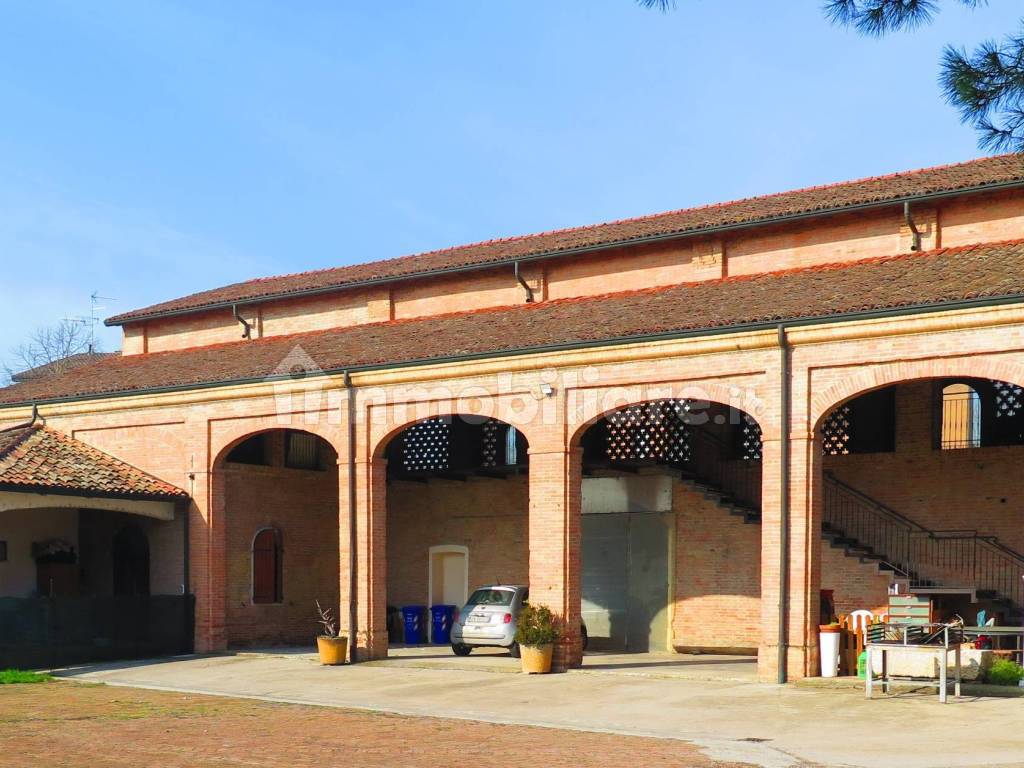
column 680, row 428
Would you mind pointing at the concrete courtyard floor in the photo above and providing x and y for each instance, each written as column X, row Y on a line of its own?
column 730, row 720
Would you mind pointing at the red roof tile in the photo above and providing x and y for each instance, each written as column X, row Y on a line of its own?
column 938, row 277
column 39, row 459
column 986, row 172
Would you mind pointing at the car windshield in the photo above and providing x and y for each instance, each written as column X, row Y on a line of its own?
column 491, row 597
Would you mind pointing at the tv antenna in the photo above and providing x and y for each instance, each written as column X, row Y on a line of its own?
column 90, row 321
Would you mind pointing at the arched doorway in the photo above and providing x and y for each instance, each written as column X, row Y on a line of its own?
column 130, row 555
column 918, row 489
column 280, row 517
column 457, row 512
column 671, row 495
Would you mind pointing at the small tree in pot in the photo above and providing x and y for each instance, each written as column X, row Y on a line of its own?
column 536, row 634
column 333, row 648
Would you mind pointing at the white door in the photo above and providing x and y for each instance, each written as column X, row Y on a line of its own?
column 449, row 575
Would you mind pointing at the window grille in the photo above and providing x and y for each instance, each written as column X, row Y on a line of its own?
column 511, row 446
column 961, row 417
column 302, row 451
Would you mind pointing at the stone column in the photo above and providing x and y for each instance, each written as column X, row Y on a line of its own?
column 555, row 544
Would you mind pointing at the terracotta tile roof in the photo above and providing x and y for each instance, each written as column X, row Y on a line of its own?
column 986, row 172
column 59, row 366
column 39, row 459
column 933, row 278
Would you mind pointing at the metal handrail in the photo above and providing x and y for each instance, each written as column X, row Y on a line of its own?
column 882, row 508
column 925, row 556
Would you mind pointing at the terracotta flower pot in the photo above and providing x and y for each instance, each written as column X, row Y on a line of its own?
column 333, row 650
column 536, row 659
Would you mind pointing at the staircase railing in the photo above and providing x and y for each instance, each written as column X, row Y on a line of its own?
column 926, row 557
column 711, row 463
column 854, row 515
column 966, row 558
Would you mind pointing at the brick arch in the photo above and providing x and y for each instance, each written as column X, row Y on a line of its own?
column 381, row 440
column 714, row 392
column 245, row 430
column 876, row 377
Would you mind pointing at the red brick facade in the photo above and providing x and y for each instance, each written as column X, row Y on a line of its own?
column 731, row 573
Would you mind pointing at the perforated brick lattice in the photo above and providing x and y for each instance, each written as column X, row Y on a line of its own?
column 1009, row 399
column 427, row 446
column 836, row 432
column 650, row 431
column 491, row 439
column 751, row 433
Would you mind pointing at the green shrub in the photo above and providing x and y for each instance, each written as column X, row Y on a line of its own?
column 11, row 676
column 1005, row 672
column 536, row 626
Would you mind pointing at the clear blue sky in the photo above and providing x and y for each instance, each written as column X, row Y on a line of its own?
column 153, row 149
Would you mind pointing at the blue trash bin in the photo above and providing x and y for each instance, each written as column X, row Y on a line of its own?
column 413, row 619
column 441, row 617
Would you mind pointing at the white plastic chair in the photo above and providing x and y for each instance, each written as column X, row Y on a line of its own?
column 860, row 621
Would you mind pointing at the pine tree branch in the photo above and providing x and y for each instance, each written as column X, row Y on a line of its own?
column 879, row 17
column 987, row 87
column 660, row 5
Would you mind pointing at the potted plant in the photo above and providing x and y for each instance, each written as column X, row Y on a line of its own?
column 333, row 648
column 536, row 635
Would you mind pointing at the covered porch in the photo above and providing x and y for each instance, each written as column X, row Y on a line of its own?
column 93, row 555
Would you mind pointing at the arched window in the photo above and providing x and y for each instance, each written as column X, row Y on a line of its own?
column 961, row 417
column 267, row 584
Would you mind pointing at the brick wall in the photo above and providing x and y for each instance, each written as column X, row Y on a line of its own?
column 717, row 576
column 980, row 488
column 303, row 506
column 489, row 517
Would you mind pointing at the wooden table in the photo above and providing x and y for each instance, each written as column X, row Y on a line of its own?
column 939, row 652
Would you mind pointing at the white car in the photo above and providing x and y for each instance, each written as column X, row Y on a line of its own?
column 488, row 620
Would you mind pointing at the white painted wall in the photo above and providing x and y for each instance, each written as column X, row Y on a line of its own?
column 20, row 528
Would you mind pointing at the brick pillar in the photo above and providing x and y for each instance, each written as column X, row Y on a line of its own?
column 207, row 566
column 371, row 556
column 555, row 543
column 804, row 573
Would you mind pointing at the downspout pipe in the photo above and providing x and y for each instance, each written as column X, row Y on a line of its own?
column 784, row 426
column 246, row 325
column 352, row 538
column 526, row 285
column 909, row 218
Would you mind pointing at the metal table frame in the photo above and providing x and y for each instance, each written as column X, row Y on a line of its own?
column 939, row 650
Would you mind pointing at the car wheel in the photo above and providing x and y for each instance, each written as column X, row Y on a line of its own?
column 584, row 637
column 513, row 650
column 461, row 650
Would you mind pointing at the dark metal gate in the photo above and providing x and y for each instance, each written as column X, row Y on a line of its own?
column 60, row 631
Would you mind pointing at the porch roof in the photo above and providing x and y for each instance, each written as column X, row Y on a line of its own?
column 37, row 459
column 937, row 279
